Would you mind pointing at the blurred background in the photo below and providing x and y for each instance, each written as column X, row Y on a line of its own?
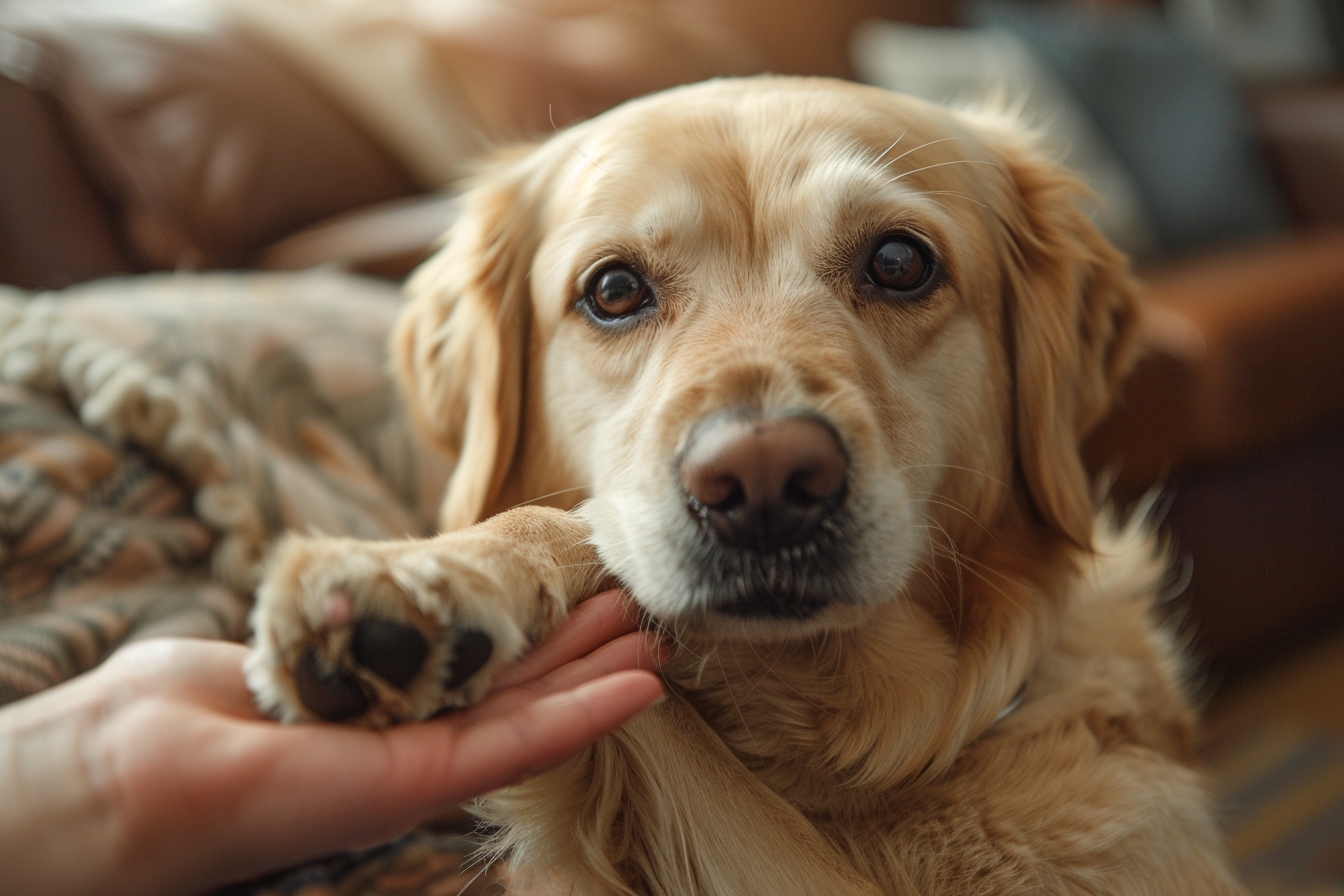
column 154, row 135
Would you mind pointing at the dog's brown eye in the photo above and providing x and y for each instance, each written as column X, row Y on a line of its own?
column 899, row 263
column 617, row 292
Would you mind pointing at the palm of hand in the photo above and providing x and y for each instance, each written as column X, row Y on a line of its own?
column 171, row 780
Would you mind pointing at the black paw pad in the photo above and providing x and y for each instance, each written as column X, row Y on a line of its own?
column 328, row 693
column 391, row 650
column 471, row 651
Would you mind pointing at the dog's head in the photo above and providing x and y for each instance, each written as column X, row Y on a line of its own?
column 791, row 339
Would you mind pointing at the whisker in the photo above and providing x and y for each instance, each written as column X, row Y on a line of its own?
column 960, row 610
column 664, row 628
column 781, row 680
column 580, row 565
column 940, row 165
column 952, row 505
column 755, row 682
column 890, row 148
column 955, row 467
column 970, row 563
column 559, row 491
column 955, row 193
column 917, row 149
column 550, row 113
column 738, row 707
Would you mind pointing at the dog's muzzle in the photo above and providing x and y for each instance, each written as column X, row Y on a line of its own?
column 767, row 492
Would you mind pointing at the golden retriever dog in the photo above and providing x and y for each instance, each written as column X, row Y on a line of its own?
column 803, row 365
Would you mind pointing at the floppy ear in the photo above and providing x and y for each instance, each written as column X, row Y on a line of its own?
column 459, row 346
column 1071, row 307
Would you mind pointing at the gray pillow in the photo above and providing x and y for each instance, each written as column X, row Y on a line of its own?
column 971, row 66
column 1171, row 116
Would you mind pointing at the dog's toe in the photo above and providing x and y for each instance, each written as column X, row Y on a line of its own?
column 328, row 693
column 393, row 651
column 471, row 651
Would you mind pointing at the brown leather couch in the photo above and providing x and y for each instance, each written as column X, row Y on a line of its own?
column 133, row 142
column 177, row 143
column 1238, row 409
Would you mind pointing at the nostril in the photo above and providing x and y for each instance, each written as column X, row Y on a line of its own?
column 814, row 487
column 736, row 498
column 820, row 473
column 721, row 492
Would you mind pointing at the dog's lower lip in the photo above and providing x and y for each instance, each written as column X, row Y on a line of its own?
column 770, row 605
column 793, row 585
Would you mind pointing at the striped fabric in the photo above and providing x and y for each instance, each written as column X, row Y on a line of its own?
column 99, row 546
column 156, row 435
column 1282, row 793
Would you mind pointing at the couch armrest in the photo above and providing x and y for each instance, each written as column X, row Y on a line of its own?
column 1244, row 351
column 384, row 240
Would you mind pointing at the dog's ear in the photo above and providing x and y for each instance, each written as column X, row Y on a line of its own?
column 1071, row 308
column 459, row 346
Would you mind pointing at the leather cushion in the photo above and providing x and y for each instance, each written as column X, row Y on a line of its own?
column 207, row 147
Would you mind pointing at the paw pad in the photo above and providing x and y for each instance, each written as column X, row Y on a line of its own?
column 470, row 652
column 391, row 650
column 394, row 653
column 328, row 693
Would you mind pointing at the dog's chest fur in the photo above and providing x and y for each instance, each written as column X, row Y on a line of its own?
column 1052, row 796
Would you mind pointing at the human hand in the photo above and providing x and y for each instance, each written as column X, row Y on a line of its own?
column 156, row 774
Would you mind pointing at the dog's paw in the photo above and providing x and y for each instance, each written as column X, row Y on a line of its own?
column 375, row 633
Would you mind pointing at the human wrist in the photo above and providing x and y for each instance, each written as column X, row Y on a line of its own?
column 55, row 804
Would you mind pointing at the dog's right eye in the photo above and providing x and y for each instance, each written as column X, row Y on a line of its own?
column 900, row 264
column 616, row 292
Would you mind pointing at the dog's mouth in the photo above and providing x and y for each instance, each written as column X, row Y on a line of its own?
column 793, row 583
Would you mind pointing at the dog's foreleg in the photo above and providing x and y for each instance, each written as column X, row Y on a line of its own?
column 376, row 632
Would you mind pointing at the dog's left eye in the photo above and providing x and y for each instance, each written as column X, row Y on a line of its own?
column 900, row 263
column 616, row 292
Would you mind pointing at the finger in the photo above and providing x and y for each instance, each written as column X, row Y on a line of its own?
column 541, row 734
column 590, row 625
column 340, row 785
column 326, row 787
column 637, row 650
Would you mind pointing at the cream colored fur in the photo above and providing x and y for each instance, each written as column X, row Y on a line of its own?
column 860, row 750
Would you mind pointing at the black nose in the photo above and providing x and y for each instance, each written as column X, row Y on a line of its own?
column 764, row 484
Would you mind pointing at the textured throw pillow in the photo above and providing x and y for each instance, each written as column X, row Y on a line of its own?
column 966, row 66
column 1170, row 114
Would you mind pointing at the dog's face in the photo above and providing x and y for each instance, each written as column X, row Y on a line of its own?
column 793, row 339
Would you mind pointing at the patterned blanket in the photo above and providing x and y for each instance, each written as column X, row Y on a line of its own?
column 156, row 434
